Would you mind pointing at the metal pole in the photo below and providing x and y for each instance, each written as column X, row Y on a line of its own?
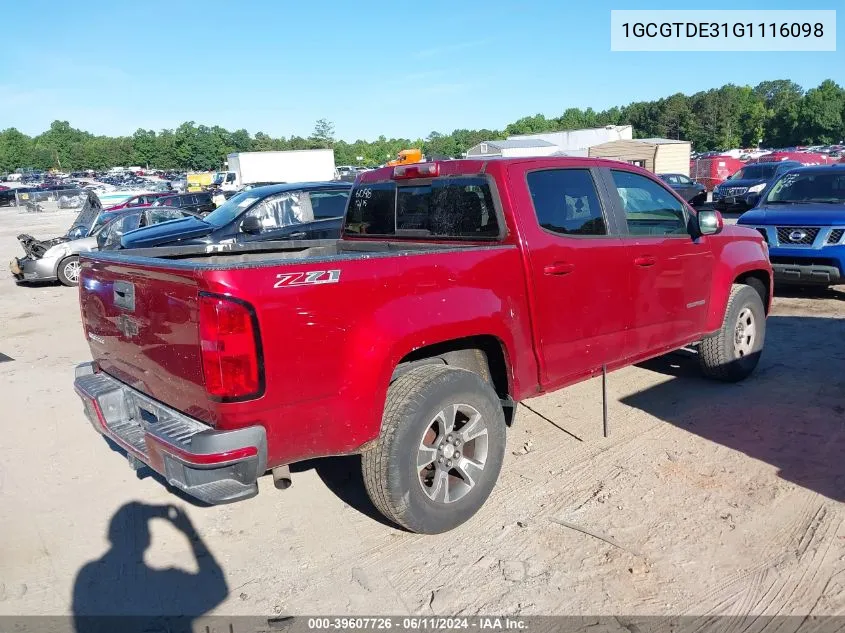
column 604, row 398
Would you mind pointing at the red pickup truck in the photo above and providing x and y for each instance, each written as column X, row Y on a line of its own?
column 458, row 289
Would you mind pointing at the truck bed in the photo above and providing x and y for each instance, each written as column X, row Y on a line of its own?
column 281, row 252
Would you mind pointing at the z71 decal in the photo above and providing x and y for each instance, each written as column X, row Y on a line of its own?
column 304, row 279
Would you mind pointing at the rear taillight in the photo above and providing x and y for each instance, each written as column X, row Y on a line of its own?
column 231, row 348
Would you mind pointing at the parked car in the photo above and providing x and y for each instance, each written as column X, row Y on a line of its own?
column 802, row 218
column 751, row 179
column 141, row 200
column 457, row 289
column 300, row 211
column 7, row 197
column 687, row 188
column 58, row 258
column 200, row 202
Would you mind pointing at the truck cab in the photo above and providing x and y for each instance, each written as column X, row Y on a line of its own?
column 226, row 181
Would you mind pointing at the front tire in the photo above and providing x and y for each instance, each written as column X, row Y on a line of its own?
column 68, row 271
column 440, row 452
column 733, row 353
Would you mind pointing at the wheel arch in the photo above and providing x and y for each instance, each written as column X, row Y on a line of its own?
column 761, row 281
column 484, row 354
column 60, row 261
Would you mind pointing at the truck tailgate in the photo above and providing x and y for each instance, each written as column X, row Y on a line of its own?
column 142, row 327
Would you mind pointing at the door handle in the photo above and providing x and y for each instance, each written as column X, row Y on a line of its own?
column 644, row 261
column 558, row 268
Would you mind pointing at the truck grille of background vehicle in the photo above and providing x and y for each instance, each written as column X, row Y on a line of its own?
column 735, row 191
column 810, row 233
column 835, row 236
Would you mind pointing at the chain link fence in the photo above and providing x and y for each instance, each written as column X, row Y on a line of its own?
column 50, row 200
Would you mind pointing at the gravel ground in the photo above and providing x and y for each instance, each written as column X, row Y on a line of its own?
column 706, row 498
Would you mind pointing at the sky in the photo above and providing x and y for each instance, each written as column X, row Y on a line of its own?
column 401, row 69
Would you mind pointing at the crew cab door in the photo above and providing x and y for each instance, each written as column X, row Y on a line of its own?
column 671, row 271
column 577, row 267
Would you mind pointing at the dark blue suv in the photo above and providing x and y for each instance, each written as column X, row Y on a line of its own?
column 751, row 179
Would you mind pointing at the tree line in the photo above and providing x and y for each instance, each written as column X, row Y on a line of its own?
column 776, row 113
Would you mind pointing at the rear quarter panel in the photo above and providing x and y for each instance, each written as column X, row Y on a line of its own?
column 330, row 349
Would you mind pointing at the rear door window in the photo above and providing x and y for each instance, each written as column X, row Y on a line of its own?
column 451, row 208
column 566, row 201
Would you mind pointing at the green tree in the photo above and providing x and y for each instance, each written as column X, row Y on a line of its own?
column 674, row 117
column 782, row 99
column 145, row 147
column 530, row 125
column 820, row 114
column 323, row 135
column 15, row 150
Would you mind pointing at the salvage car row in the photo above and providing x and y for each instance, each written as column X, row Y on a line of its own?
column 303, row 211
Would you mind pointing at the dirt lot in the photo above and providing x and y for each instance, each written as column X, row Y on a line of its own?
column 720, row 499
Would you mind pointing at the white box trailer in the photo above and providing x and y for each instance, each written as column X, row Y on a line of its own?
column 307, row 165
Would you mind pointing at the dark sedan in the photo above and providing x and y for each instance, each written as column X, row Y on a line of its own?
column 687, row 188
column 300, row 211
column 196, row 202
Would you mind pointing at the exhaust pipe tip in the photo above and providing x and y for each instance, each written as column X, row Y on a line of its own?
column 281, row 477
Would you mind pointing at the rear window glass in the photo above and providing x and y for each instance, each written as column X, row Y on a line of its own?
column 443, row 208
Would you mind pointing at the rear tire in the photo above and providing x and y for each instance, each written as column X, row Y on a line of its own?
column 440, row 452
column 68, row 271
column 733, row 353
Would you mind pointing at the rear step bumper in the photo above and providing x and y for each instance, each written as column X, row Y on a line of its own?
column 213, row 466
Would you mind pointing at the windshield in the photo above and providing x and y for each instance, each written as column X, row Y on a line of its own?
column 828, row 187
column 761, row 171
column 218, row 180
column 229, row 210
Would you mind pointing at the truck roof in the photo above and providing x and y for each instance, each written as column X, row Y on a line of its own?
column 297, row 186
column 479, row 165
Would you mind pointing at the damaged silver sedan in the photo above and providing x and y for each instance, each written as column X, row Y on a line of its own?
column 93, row 229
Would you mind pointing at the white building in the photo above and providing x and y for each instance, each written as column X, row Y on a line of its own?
column 578, row 142
column 565, row 143
column 512, row 148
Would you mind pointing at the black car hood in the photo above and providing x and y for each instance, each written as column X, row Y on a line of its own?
column 174, row 231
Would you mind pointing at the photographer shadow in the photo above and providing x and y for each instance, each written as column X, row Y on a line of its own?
column 119, row 592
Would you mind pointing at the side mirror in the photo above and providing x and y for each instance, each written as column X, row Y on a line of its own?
column 751, row 199
column 251, row 225
column 710, row 222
